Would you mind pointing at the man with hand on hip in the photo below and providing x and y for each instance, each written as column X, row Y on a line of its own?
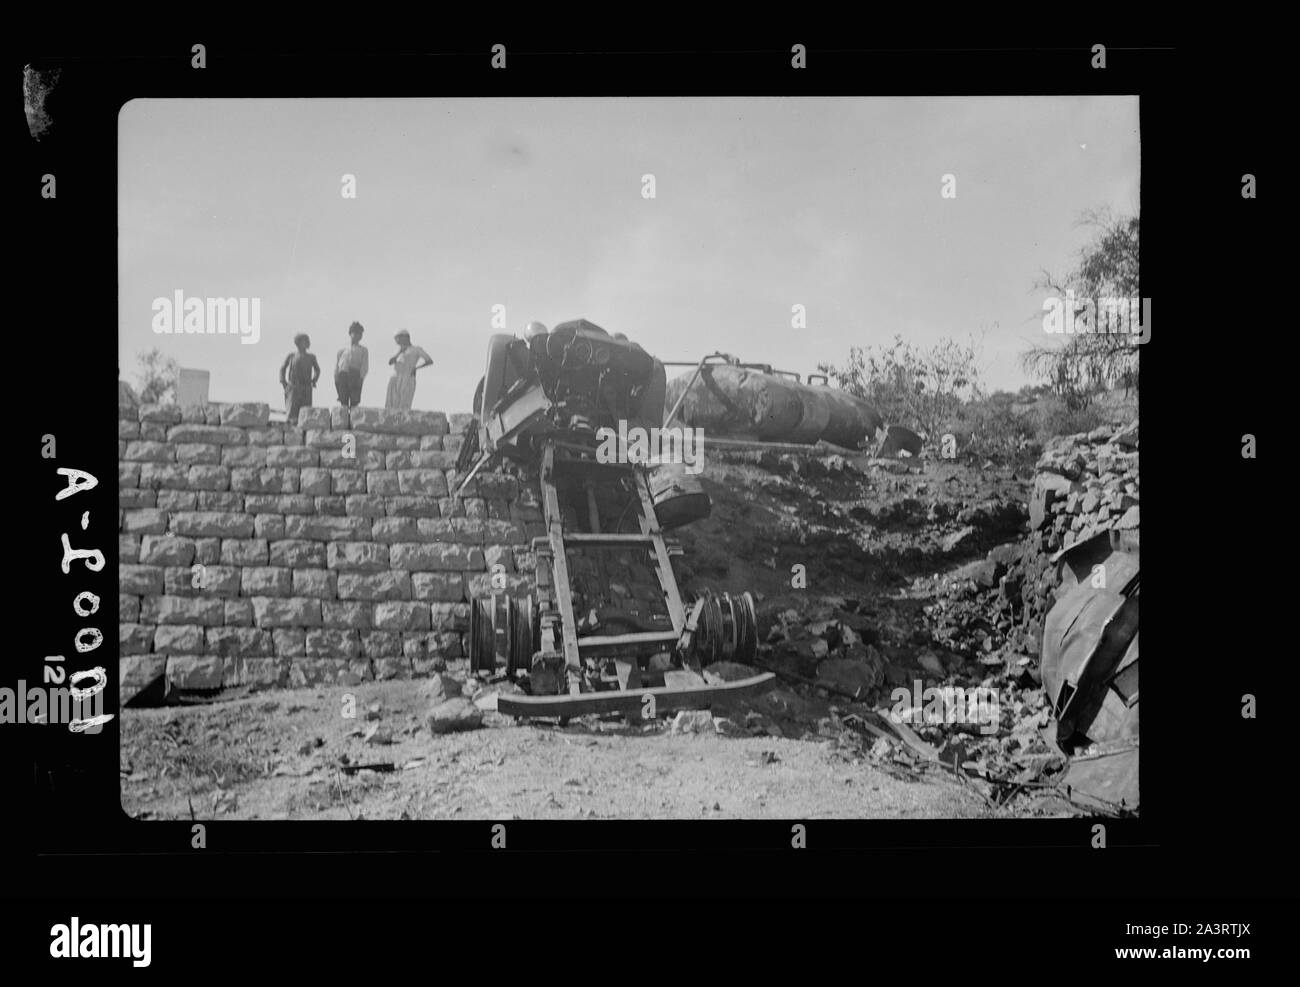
column 351, row 368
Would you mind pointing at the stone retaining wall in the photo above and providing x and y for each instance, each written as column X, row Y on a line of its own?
column 1084, row 484
column 265, row 554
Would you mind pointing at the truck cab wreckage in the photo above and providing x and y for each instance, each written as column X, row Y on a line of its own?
column 608, row 629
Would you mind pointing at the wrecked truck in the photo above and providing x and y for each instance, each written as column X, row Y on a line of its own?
column 607, row 629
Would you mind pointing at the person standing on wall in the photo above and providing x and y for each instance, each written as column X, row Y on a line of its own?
column 298, row 375
column 401, row 386
column 351, row 368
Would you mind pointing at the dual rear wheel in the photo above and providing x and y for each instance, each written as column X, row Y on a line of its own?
column 503, row 631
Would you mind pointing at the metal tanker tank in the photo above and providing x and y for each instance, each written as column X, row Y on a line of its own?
column 816, row 415
column 747, row 403
column 851, row 420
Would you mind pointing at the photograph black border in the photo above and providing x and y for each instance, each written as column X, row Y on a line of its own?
column 1197, row 745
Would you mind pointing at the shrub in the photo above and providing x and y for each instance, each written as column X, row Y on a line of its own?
column 994, row 430
column 1055, row 417
column 158, row 373
column 911, row 386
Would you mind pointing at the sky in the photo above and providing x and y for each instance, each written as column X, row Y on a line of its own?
column 537, row 205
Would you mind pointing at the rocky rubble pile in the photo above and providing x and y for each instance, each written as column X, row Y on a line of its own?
column 995, row 607
column 972, row 630
column 991, row 611
column 831, row 644
column 871, row 679
column 1084, row 484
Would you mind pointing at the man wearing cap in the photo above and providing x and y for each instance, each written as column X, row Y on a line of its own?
column 298, row 375
column 401, row 386
column 351, row 368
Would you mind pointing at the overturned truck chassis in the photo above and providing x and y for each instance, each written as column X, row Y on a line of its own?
column 608, row 629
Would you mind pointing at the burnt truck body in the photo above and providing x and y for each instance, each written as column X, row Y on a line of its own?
column 608, row 628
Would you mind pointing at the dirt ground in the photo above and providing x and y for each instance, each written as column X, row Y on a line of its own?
column 293, row 755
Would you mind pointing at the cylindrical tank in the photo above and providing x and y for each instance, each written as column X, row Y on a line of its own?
column 734, row 401
column 777, row 405
column 852, row 420
column 816, row 415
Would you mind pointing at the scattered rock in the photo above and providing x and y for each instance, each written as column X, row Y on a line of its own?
column 930, row 662
column 1126, row 436
column 950, row 543
column 984, row 572
column 1004, row 555
column 783, row 701
column 899, row 466
column 454, row 715
column 853, row 677
column 728, row 727
column 441, row 687
column 1056, row 483
column 693, row 721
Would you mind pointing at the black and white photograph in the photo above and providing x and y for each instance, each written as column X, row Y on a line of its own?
column 631, row 458
column 697, row 476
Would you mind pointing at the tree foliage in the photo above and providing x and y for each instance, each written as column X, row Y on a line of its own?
column 1085, row 364
column 157, row 374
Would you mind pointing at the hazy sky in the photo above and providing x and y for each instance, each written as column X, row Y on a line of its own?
column 537, row 205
